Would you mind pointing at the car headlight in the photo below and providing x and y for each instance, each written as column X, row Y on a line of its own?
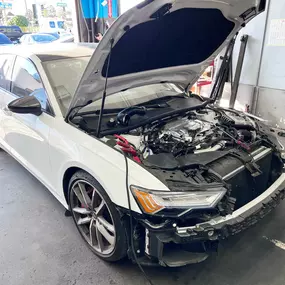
column 152, row 202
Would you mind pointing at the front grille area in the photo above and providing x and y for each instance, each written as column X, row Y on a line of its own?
column 244, row 183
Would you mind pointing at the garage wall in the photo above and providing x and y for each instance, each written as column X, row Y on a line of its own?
column 272, row 73
column 255, row 31
column 271, row 83
column 263, row 71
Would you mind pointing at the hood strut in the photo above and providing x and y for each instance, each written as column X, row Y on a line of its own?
column 105, row 88
column 217, row 90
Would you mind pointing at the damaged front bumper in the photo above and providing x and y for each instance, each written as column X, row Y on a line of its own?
column 170, row 245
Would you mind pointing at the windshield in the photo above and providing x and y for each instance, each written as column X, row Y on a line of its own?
column 64, row 76
column 4, row 40
column 43, row 38
column 135, row 96
column 56, row 35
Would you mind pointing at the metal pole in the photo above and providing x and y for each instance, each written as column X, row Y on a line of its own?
column 26, row 6
column 238, row 71
column 256, row 87
column 4, row 13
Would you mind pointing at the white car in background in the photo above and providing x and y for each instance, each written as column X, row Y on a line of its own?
column 37, row 38
column 145, row 168
column 45, row 38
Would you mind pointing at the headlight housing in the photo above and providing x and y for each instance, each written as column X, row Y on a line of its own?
column 152, row 202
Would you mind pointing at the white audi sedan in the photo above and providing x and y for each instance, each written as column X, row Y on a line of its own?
column 146, row 169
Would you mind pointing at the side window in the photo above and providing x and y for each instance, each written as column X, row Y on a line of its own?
column 6, row 62
column 26, row 81
column 52, row 24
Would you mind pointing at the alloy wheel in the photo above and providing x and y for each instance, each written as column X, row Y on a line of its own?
column 93, row 217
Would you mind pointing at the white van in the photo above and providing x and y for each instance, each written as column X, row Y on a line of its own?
column 52, row 25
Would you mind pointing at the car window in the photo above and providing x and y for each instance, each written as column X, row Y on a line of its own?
column 26, row 81
column 136, row 96
column 16, row 29
column 52, row 24
column 64, row 76
column 60, row 24
column 43, row 38
column 6, row 63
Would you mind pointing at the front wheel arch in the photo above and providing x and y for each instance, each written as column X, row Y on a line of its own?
column 66, row 178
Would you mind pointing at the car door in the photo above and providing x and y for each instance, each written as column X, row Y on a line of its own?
column 6, row 65
column 27, row 134
column 30, row 40
column 23, row 39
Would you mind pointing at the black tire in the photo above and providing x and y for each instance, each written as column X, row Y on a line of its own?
column 120, row 249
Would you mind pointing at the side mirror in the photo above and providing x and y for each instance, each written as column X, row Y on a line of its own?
column 26, row 105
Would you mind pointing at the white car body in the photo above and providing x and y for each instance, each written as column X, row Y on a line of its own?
column 48, row 146
column 53, row 146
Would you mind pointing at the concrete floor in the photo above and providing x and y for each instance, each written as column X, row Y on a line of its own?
column 39, row 245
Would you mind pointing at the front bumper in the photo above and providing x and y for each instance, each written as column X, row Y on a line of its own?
column 157, row 241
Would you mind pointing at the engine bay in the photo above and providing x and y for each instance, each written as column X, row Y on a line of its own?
column 205, row 130
column 202, row 150
column 191, row 145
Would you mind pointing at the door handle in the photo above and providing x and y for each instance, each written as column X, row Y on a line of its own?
column 6, row 111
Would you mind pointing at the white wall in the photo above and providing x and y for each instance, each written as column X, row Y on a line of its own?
column 264, row 66
column 272, row 73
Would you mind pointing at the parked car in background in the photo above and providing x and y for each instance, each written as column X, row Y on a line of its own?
column 14, row 33
column 4, row 40
column 64, row 34
column 66, row 39
column 59, row 34
column 54, row 34
column 39, row 38
column 44, row 38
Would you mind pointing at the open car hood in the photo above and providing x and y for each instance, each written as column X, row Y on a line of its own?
column 162, row 41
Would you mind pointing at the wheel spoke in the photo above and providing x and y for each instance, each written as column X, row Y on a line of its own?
column 99, row 237
column 78, row 194
column 106, row 234
column 82, row 211
column 100, row 208
column 84, row 221
column 87, row 200
column 106, row 225
column 82, row 195
column 92, row 233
